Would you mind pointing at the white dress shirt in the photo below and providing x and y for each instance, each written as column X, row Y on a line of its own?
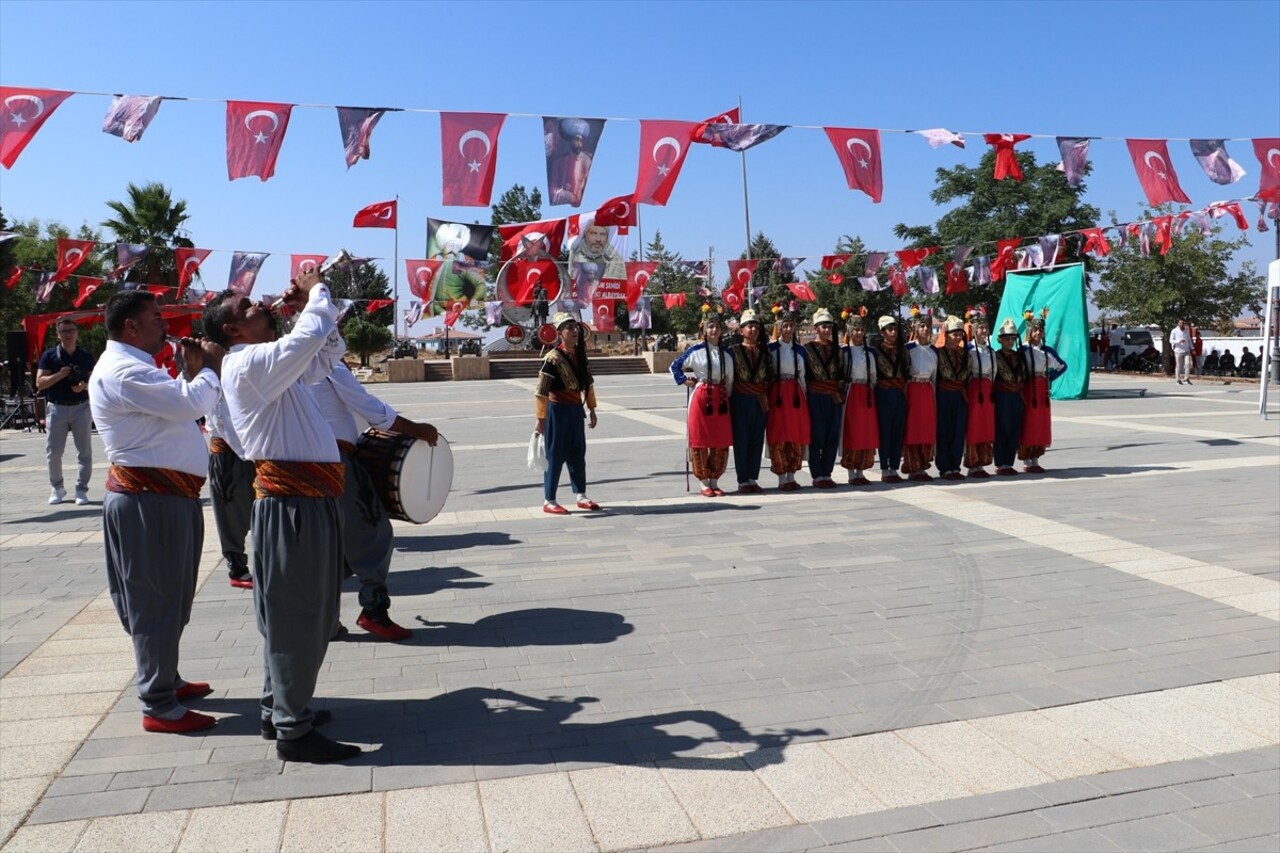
column 860, row 364
column 147, row 419
column 982, row 362
column 924, row 362
column 709, row 368
column 218, row 422
column 1180, row 341
column 787, row 357
column 272, row 409
column 340, row 396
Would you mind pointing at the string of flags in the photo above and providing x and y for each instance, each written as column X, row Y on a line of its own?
column 255, row 131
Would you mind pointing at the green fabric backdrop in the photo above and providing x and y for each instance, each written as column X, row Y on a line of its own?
column 1067, row 329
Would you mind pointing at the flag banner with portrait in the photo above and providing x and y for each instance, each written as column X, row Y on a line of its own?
column 596, row 266
column 464, row 250
column 571, row 147
column 1061, row 290
column 244, row 271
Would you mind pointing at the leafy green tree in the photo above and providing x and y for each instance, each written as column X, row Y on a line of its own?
column 848, row 295
column 36, row 251
column 363, row 282
column 671, row 277
column 1193, row 281
column 365, row 337
column 151, row 217
column 990, row 210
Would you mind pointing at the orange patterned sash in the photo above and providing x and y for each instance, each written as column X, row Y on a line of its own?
column 346, row 448
column 219, row 445
column 303, row 479
column 160, row 481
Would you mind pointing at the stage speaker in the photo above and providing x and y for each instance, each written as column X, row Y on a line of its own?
column 15, row 342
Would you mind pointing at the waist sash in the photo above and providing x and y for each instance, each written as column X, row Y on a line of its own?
column 160, row 481
column 571, row 397
column 219, row 445
column 950, row 385
column 891, row 382
column 830, row 387
column 1004, row 387
column 303, row 479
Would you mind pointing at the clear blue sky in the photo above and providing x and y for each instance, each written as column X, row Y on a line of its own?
column 1123, row 69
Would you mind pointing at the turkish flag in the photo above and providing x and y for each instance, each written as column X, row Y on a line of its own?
column 619, row 212
column 12, row 280
column 1095, row 242
column 733, row 116
column 422, row 277
column 604, row 312
column 299, row 264
column 638, row 275
column 524, row 276
column 859, row 153
column 1164, row 232
column 802, row 291
column 453, row 310
column 913, row 257
column 1006, row 160
column 188, row 261
column 469, row 156
column 71, row 254
column 377, row 304
column 87, row 287
column 831, row 262
column 898, row 280
column 1268, row 153
column 157, row 290
column 254, row 133
column 380, row 214
column 1231, row 208
column 1004, row 259
column 1155, row 172
column 532, row 239
column 22, row 112
column 663, row 147
column 957, row 281
column 740, row 273
column 673, row 300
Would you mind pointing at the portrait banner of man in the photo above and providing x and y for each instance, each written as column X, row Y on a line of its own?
column 464, row 252
column 571, row 148
column 596, row 255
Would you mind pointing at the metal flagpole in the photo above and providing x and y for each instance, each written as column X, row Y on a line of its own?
column 746, row 210
column 396, row 270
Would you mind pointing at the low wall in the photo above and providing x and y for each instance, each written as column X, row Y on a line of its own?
column 660, row 362
column 467, row 367
column 406, row 370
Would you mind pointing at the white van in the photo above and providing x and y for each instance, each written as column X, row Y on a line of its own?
column 1136, row 338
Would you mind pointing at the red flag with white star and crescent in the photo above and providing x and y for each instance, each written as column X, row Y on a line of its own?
column 422, row 277
column 740, row 272
column 638, row 275
column 858, row 151
column 524, row 276
column 71, row 254
column 87, row 287
column 1155, row 172
column 1268, row 153
column 604, row 315
column 380, row 214
column 733, row 116
column 469, row 156
column 619, row 212
column 254, row 133
column 22, row 112
column 299, row 264
column 663, row 147
column 188, row 261
column 531, row 239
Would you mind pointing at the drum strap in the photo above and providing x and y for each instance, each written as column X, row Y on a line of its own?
column 303, row 479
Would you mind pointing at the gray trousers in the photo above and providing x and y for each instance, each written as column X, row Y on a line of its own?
column 367, row 536
column 78, row 421
column 153, row 545
column 231, row 491
column 297, row 564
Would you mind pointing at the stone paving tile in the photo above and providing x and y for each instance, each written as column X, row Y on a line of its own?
column 442, row 819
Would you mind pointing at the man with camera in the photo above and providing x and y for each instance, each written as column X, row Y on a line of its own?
column 63, row 377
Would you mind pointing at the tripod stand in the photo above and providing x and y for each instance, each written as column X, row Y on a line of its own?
column 21, row 413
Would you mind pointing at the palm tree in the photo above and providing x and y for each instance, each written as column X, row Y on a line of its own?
column 152, row 217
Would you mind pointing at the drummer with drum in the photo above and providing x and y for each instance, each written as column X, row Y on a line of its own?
column 367, row 536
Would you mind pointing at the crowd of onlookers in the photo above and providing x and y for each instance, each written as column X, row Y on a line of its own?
column 1118, row 348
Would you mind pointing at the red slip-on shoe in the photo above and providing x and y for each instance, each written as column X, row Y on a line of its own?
column 1033, row 469
column 383, row 628
column 554, row 509
column 193, row 690
column 891, row 478
column 708, row 492
column 588, row 505
column 1006, row 472
column 187, row 723
column 242, row 582
column 920, row 477
column 719, row 492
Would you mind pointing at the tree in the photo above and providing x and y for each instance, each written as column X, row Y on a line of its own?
column 362, row 282
column 848, row 294
column 671, row 277
column 990, row 210
column 365, row 337
column 153, row 218
column 1191, row 281
column 36, row 251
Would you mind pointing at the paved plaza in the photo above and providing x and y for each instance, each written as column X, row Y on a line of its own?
column 1083, row 660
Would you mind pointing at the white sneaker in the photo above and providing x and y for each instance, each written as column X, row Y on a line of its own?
column 82, row 498
column 57, row 495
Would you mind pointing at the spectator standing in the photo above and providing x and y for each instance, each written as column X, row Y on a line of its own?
column 1180, row 341
column 62, row 375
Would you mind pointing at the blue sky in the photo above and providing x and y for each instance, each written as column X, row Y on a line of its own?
column 1126, row 69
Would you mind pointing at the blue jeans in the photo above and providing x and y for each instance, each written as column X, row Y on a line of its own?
column 76, row 420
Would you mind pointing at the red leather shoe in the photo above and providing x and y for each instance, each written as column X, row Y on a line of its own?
column 383, row 628
column 1033, row 469
column 554, row 509
column 891, row 478
column 859, row 481
column 1006, row 472
column 979, row 474
column 588, row 505
column 708, row 492
column 718, row 492
column 187, row 723
column 243, row 582
column 920, row 477
column 193, row 690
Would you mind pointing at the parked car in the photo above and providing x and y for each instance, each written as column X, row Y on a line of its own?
column 1137, row 339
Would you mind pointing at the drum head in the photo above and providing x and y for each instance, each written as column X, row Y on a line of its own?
column 514, row 333
column 425, row 480
column 547, row 334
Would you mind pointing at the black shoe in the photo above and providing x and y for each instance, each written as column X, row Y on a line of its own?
column 315, row 748
column 319, row 718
